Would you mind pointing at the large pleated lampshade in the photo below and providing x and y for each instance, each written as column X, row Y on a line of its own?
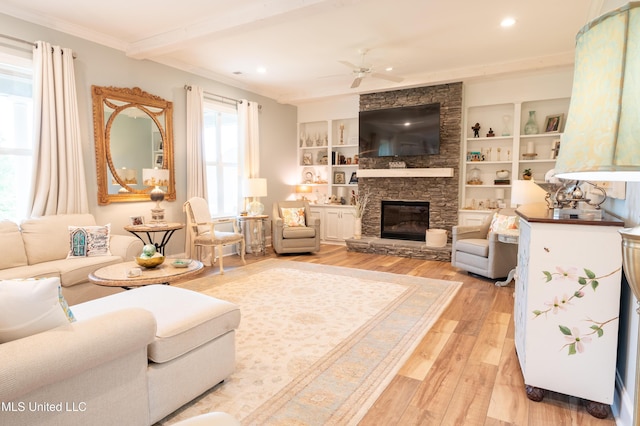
column 602, row 134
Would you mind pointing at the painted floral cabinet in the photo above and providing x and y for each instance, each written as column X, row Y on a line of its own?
column 567, row 306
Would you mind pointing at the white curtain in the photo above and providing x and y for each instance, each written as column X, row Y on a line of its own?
column 59, row 185
column 250, row 135
column 196, row 161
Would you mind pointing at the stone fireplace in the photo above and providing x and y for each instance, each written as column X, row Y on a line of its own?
column 441, row 192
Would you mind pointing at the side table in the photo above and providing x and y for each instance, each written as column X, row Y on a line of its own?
column 508, row 237
column 167, row 230
column 253, row 228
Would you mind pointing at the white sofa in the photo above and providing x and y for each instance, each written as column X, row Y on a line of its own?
column 39, row 247
column 130, row 358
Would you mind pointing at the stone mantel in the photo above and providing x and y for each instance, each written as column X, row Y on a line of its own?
column 423, row 172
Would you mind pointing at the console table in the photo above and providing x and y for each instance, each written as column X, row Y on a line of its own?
column 567, row 302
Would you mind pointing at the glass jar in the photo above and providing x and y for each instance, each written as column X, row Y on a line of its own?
column 473, row 177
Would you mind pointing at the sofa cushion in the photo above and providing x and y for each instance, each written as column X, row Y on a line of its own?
column 298, row 232
column 185, row 319
column 47, row 237
column 89, row 241
column 41, row 270
column 293, row 216
column 31, row 306
column 75, row 271
column 474, row 246
column 10, row 237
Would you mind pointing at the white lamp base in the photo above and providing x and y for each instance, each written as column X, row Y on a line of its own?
column 255, row 208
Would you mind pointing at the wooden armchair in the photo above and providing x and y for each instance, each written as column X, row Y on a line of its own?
column 203, row 233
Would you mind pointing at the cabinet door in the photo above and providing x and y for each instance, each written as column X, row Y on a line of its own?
column 348, row 222
column 332, row 224
column 318, row 213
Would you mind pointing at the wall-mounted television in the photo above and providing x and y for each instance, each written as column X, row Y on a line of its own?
column 402, row 131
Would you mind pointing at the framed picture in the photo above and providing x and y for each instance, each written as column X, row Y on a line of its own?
column 338, row 178
column 354, row 178
column 553, row 123
column 136, row 220
column 158, row 160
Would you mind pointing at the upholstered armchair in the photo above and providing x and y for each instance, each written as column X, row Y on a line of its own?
column 203, row 232
column 294, row 229
column 478, row 250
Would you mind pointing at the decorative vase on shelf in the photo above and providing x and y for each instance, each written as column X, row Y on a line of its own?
column 531, row 127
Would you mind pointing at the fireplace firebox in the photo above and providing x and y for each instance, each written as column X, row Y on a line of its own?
column 404, row 220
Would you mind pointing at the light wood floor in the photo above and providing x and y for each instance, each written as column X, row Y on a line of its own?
column 465, row 370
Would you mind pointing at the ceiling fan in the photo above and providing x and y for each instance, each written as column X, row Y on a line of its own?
column 363, row 71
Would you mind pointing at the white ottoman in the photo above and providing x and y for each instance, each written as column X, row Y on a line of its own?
column 194, row 348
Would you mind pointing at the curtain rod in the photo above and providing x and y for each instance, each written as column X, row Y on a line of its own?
column 224, row 98
column 30, row 43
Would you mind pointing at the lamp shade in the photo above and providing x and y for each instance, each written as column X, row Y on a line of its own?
column 155, row 177
column 526, row 192
column 303, row 189
column 255, row 187
column 602, row 133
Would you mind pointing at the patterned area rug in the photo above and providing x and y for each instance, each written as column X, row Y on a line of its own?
column 316, row 344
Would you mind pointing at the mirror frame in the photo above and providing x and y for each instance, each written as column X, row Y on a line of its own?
column 142, row 100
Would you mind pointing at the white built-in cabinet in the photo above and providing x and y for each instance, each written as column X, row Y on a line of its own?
column 327, row 162
column 485, row 155
column 337, row 223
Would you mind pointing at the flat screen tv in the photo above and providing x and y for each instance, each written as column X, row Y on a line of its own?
column 402, row 131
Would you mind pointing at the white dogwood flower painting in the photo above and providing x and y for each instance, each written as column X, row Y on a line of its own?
column 575, row 339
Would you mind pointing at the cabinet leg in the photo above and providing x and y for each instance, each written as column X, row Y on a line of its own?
column 597, row 409
column 534, row 393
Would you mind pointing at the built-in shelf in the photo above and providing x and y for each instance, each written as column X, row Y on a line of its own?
column 429, row 172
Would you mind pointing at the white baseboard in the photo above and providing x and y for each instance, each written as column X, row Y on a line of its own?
column 622, row 407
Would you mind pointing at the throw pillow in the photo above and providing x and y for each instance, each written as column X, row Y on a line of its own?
column 502, row 223
column 293, row 216
column 31, row 306
column 88, row 241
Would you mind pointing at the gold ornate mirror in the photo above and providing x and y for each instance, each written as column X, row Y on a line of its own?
column 133, row 131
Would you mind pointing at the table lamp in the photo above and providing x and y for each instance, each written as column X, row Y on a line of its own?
column 526, row 192
column 255, row 188
column 156, row 177
column 303, row 189
column 600, row 141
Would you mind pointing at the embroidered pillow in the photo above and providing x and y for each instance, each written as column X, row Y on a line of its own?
column 88, row 241
column 503, row 223
column 293, row 216
column 31, row 306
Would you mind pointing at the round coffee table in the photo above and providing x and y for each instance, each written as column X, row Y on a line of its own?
column 118, row 275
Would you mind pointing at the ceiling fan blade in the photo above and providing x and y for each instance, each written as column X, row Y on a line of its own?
column 387, row 77
column 356, row 82
column 349, row 64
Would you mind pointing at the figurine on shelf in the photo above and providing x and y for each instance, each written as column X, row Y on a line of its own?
column 476, row 130
column 490, row 134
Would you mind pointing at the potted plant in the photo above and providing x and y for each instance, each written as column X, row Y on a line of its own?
column 526, row 175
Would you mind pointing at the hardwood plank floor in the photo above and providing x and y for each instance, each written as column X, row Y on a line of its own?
column 465, row 370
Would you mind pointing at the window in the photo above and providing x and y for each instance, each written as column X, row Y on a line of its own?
column 222, row 153
column 16, row 136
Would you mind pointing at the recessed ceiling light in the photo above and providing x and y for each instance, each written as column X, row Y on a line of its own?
column 507, row 22
column 261, row 70
column 388, row 69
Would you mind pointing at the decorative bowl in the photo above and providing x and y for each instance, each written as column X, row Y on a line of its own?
column 150, row 262
column 180, row 263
